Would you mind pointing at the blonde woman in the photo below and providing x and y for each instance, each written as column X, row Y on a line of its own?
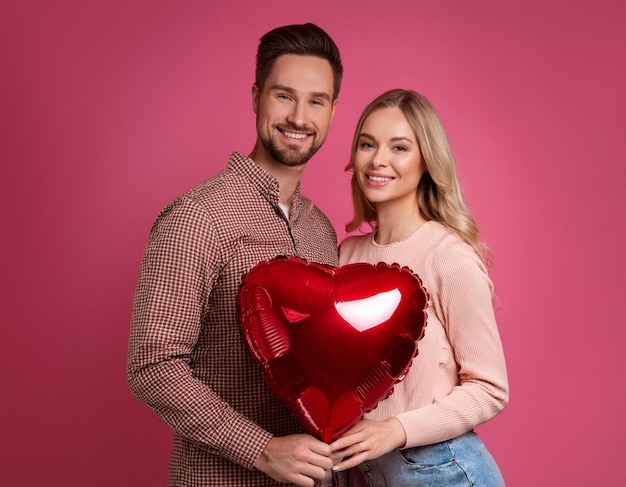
column 404, row 184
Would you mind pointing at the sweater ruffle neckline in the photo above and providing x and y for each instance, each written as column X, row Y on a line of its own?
column 397, row 242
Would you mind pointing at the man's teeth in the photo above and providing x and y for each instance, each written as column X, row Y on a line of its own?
column 292, row 135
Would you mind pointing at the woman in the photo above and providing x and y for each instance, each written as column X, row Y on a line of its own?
column 404, row 184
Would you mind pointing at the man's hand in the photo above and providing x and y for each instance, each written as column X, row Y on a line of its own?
column 298, row 459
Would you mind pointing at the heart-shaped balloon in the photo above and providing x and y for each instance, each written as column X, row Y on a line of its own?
column 332, row 341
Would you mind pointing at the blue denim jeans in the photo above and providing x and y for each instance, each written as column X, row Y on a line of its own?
column 460, row 462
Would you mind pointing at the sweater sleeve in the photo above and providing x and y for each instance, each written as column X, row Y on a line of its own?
column 180, row 264
column 462, row 298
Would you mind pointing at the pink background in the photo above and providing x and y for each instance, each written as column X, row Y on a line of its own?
column 110, row 109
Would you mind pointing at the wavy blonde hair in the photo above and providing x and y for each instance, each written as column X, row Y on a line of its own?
column 438, row 192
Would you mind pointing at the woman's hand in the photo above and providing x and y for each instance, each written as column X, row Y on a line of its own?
column 366, row 440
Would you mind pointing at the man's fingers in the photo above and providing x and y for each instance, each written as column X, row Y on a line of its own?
column 320, row 448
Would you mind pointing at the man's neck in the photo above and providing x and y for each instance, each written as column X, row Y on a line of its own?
column 288, row 177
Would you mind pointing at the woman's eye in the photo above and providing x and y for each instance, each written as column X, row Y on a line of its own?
column 366, row 145
column 399, row 148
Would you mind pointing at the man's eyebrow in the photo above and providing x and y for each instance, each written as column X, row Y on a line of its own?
column 288, row 89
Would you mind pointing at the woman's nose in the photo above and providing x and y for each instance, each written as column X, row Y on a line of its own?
column 380, row 158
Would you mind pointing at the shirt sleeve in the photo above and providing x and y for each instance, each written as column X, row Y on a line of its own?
column 180, row 263
column 463, row 302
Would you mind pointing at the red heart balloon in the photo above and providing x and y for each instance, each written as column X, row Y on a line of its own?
column 332, row 341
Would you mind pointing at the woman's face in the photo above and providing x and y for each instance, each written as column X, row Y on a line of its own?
column 388, row 162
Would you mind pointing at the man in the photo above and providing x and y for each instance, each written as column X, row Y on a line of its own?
column 187, row 358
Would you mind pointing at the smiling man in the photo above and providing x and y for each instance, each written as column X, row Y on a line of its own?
column 292, row 123
column 187, row 358
column 294, row 108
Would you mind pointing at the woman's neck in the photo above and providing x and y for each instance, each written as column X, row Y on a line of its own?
column 395, row 226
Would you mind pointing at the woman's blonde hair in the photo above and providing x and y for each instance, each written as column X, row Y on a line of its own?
column 438, row 192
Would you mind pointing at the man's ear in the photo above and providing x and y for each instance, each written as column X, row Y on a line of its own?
column 255, row 97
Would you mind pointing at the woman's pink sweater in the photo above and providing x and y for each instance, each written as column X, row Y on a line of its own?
column 458, row 379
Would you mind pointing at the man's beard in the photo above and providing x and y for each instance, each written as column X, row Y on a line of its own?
column 288, row 156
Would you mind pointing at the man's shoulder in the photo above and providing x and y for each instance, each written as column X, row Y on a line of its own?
column 311, row 211
column 210, row 193
column 216, row 188
column 309, row 205
column 208, row 187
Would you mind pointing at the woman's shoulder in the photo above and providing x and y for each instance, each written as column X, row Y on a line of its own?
column 445, row 241
column 453, row 257
column 352, row 240
column 353, row 244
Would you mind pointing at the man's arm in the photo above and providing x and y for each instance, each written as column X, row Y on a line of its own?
column 179, row 267
column 180, row 264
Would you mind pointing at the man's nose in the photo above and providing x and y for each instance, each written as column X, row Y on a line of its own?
column 297, row 116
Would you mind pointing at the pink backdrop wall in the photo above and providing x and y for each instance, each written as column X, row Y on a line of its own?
column 110, row 109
